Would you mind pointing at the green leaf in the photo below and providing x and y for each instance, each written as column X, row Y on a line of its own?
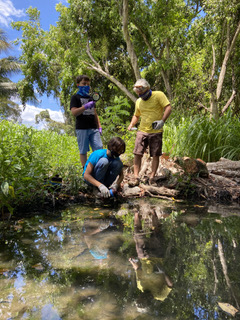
column 5, row 188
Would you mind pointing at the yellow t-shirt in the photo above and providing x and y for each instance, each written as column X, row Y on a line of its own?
column 151, row 110
column 155, row 282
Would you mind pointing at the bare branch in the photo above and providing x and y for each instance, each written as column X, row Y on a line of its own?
column 150, row 48
column 201, row 106
column 130, row 47
column 214, row 63
column 229, row 102
column 97, row 68
column 91, row 57
column 157, row 59
column 225, row 61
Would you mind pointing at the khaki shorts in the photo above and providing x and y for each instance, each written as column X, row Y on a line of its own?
column 151, row 140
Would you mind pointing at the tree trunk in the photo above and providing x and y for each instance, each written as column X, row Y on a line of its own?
column 225, row 61
column 130, row 47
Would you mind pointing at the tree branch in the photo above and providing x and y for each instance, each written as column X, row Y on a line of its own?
column 229, row 102
column 214, row 64
column 98, row 69
column 130, row 47
column 225, row 61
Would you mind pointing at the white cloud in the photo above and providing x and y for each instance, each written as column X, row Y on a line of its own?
column 29, row 113
column 8, row 11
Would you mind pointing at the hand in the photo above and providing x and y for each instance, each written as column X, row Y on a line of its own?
column 115, row 186
column 104, row 191
column 100, row 130
column 89, row 105
column 156, row 125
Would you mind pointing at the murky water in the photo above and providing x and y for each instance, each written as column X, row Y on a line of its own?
column 170, row 262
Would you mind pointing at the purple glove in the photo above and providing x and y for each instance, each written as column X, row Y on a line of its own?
column 100, row 130
column 90, row 105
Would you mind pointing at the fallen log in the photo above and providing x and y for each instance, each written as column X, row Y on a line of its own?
column 224, row 164
column 160, row 190
column 187, row 178
column 223, row 180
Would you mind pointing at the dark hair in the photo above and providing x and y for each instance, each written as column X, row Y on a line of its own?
column 82, row 77
column 116, row 144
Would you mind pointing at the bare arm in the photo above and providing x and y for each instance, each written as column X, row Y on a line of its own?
column 77, row 111
column 97, row 119
column 133, row 122
column 120, row 178
column 88, row 175
column 167, row 112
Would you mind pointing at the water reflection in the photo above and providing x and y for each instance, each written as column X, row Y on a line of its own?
column 81, row 264
column 149, row 266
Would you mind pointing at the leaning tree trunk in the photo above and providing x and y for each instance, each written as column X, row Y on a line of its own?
column 130, row 47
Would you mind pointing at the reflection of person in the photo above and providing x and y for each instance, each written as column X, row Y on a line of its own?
column 88, row 127
column 148, row 267
column 154, row 108
column 97, row 246
column 104, row 166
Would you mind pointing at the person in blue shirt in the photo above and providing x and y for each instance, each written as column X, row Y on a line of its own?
column 104, row 166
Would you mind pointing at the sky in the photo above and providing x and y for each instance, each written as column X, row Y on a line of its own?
column 15, row 10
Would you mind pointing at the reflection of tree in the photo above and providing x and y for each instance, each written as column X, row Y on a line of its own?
column 225, row 270
column 205, row 267
column 203, row 263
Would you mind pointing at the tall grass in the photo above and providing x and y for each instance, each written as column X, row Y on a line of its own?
column 28, row 157
column 202, row 137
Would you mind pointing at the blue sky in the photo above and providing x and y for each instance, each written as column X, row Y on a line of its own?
column 15, row 10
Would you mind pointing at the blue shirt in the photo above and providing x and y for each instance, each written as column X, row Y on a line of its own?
column 96, row 156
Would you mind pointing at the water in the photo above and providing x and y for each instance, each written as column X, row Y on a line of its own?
column 80, row 264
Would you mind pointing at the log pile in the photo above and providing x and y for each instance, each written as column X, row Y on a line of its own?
column 186, row 178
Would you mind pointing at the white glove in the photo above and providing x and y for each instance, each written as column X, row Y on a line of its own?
column 115, row 186
column 156, row 125
column 104, row 191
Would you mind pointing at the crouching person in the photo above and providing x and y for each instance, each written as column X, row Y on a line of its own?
column 104, row 166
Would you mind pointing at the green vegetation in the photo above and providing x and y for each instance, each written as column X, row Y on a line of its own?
column 200, row 137
column 29, row 158
column 8, row 65
column 188, row 49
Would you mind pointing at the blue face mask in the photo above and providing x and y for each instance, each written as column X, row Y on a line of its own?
column 83, row 91
column 146, row 95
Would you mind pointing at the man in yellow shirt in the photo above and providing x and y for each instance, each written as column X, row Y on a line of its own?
column 154, row 108
column 149, row 266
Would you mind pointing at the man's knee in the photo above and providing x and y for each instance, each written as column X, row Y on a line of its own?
column 102, row 162
column 117, row 165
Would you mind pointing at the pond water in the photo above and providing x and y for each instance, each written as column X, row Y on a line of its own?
column 176, row 261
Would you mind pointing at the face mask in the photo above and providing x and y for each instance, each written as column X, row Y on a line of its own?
column 114, row 154
column 83, row 91
column 146, row 95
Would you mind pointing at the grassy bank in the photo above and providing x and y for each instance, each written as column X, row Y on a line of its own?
column 29, row 157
